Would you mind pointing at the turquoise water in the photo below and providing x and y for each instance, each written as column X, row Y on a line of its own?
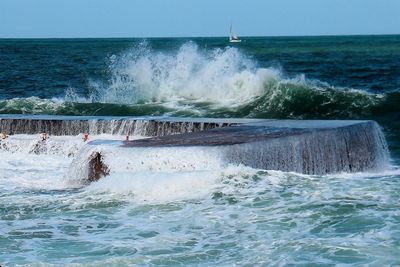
column 210, row 214
column 237, row 216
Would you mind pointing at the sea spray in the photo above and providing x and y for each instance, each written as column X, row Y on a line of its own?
column 217, row 79
column 221, row 76
column 219, row 82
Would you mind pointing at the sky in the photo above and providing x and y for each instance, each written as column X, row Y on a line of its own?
column 192, row 18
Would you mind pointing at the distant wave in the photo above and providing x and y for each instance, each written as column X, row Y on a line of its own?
column 217, row 83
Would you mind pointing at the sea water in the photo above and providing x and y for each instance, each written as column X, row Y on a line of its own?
column 175, row 209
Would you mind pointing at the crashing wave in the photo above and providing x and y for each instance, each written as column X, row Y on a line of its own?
column 217, row 83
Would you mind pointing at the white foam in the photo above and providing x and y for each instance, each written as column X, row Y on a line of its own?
column 121, row 160
column 28, row 162
column 386, row 171
column 145, row 174
column 148, row 186
column 221, row 76
column 152, row 174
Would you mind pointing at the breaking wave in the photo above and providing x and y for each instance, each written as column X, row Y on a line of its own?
column 217, row 83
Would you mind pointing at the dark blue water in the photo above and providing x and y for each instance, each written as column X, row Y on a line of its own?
column 287, row 77
column 46, row 68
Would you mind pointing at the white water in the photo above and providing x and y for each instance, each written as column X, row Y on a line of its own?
column 223, row 78
column 184, row 206
column 153, row 174
column 143, row 174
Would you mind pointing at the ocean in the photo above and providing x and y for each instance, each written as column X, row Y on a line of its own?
column 208, row 214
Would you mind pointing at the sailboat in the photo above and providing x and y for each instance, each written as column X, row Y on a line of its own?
column 233, row 37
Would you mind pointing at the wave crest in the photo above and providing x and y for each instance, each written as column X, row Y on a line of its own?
column 221, row 76
column 206, row 82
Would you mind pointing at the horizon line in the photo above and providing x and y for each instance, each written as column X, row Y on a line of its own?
column 225, row 36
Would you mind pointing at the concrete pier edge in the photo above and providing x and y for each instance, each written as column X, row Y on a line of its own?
column 304, row 146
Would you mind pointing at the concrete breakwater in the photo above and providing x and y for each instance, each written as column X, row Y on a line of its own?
column 74, row 125
column 303, row 146
column 311, row 147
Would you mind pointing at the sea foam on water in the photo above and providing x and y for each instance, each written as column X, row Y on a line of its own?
column 187, row 206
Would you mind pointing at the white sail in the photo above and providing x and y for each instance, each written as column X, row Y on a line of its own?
column 233, row 38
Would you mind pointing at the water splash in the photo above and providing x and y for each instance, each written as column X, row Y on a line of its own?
column 221, row 76
column 206, row 82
